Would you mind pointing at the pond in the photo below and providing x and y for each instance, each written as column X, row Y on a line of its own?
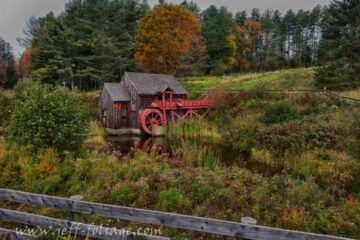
column 123, row 145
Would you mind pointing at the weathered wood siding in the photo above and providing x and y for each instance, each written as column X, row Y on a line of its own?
column 115, row 117
column 106, row 104
column 121, row 113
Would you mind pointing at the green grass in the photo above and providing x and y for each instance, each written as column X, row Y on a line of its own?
column 282, row 79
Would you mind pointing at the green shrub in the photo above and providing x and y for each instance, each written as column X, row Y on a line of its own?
column 89, row 102
column 218, row 69
column 297, row 136
column 280, row 113
column 355, row 130
column 172, row 199
column 48, row 117
column 243, row 134
column 6, row 108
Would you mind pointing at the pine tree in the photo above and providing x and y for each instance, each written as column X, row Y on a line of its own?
column 91, row 42
column 240, row 17
column 191, row 6
column 289, row 22
column 8, row 74
column 219, row 38
column 340, row 46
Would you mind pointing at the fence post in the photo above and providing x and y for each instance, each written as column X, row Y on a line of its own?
column 249, row 221
column 75, row 217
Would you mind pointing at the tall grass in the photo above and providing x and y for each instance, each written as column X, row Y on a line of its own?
column 195, row 154
column 194, row 129
column 208, row 159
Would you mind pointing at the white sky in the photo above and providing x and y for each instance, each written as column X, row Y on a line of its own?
column 15, row 13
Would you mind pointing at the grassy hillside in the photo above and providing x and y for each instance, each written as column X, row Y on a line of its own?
column 283, row 79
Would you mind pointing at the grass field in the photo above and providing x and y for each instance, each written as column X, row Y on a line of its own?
column 300, row 78
column 283, row 79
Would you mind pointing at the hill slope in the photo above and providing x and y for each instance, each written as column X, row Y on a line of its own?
column 282, row 79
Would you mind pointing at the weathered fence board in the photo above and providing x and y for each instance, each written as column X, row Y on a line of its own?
column 6, row 234
column 64, row 227
column 199, row 224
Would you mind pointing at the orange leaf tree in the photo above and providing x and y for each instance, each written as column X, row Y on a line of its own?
column 165, row 37
column 24, row 63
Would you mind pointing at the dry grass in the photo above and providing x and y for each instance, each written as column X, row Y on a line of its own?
column 352, row 94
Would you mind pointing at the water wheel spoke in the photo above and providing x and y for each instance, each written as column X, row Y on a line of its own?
column 151, row 118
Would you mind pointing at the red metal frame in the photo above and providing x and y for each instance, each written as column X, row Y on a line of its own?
column 167, row 103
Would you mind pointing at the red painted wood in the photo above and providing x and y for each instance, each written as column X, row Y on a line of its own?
column 161, row 107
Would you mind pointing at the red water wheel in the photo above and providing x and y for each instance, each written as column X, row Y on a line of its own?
column 149, row 118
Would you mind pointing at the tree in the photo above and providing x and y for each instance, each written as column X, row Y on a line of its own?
column 255, row 14
column 240, row 17
column 47, row 117
column 191, row 6
column 289, row 22
column 29, row 32
column 8, row 74
column 219, row 38
column 24, row 63
column 91, row 42
column 247, row 43
column 340, row 46
column 165, row 37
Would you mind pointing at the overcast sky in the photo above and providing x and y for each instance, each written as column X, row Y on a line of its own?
column 15, row 13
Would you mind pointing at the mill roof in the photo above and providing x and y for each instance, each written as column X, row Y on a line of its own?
column 150, row 84
column 117, row 92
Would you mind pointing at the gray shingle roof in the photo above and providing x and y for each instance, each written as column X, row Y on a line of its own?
column 150, row 84
column 117, row 92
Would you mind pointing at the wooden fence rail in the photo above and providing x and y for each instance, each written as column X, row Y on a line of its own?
column 68, row 227
column 205, row 225
column 13, row 235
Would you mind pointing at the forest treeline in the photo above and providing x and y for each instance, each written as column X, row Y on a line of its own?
column 95, row 41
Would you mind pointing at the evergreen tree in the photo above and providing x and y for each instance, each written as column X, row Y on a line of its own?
column 91, row 42
column 240, row 17
column 29, row 32
column 340, row 46
column 255, row 14
column 289, row 22
column 279, row 38
column 191, row 6
column 8, row 74
column 220, row 41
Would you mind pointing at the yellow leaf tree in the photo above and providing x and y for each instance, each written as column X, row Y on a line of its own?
column 247, row 37
column 165, row 37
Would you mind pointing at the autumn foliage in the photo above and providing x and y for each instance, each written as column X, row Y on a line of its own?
column 246, row 38
column 166, row 35
column 24, row 63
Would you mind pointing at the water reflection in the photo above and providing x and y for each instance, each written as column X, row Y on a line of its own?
column 123, row 145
